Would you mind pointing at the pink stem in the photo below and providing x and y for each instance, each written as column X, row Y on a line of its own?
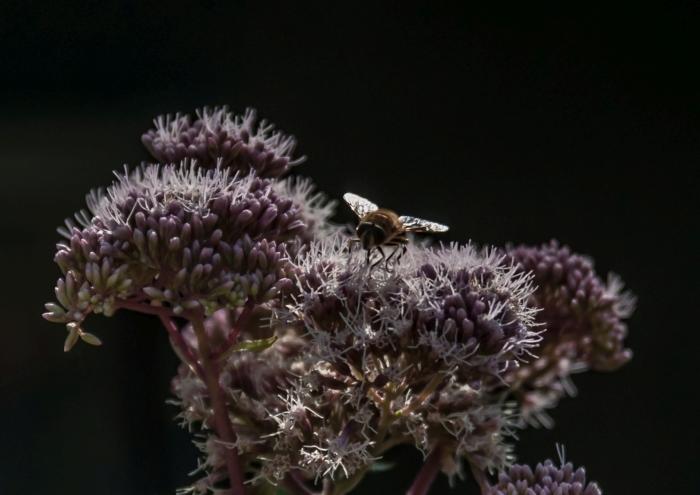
column 327, row 487
column 209, row 372
column 427, row 474
column 297, row 486
column 144, row 308
column 222, row 422
column 241, row 321
column 179, row 342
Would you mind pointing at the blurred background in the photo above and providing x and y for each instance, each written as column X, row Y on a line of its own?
column 508, row 125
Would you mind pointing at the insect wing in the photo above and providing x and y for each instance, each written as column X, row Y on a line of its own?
column 413, row 224
column 359, row 205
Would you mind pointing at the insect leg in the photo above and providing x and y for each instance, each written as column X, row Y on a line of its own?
column 403, row 251
column 352, row 242
column 400, row 242
column 397, row 248
column 381, row 251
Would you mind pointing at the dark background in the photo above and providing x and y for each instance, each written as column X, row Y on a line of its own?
column 508, row 125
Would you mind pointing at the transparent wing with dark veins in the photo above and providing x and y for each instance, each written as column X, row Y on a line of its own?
column 359, row 205
column 413, row 224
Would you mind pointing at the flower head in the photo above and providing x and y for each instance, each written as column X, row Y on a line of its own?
column 584, row 320
column 455, row 306
column 545, row 479
column 177, row 236
column 472, row 309
column 367, row 359
column 314, row 207
column 467, row 424
column 418, row 342
column 216, row 136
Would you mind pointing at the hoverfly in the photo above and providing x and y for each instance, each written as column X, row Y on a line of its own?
column 381, row 227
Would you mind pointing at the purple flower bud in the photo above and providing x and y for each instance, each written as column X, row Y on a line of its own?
column 155, row 234
column 583, row 318
column 219, row 137
column 547, row 479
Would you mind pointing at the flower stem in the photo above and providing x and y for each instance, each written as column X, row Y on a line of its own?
column 146, row 308
column 297, row 486
column 222, row 422
column 180, row 346
column 423, row 396
column 427, row 474
column 327, row 487
column 240, row 322
column 207, row 369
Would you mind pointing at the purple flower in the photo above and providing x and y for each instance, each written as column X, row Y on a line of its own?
column 291, row 417
column 475, row 317
column 546, row 479
column 314, row 208
column 218, row 136
column 453, row 306
column 301, row 363
column 424, row 337
column 178, row 236
column 366, row 360
column 584, row 321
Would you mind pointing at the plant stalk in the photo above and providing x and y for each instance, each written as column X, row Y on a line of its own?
column 222, row 422
column 297, row 486
column 241, row 321
column 181, row 348
column 427, row 474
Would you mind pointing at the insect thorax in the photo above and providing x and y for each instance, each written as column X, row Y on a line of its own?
column 377, row 227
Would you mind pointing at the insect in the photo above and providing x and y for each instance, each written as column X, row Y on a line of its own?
column 380, row 227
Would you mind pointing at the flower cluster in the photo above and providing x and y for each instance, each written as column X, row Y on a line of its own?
column 262, row 389
column 456, row 305
column 180, row 236
column 371, row 359
column 405, row 352
column 302, row 363
column 217, row 136
column 546, row 479
column 584, row 320
column 366, row 361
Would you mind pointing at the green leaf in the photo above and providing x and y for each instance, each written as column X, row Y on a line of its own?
column 255, row 345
